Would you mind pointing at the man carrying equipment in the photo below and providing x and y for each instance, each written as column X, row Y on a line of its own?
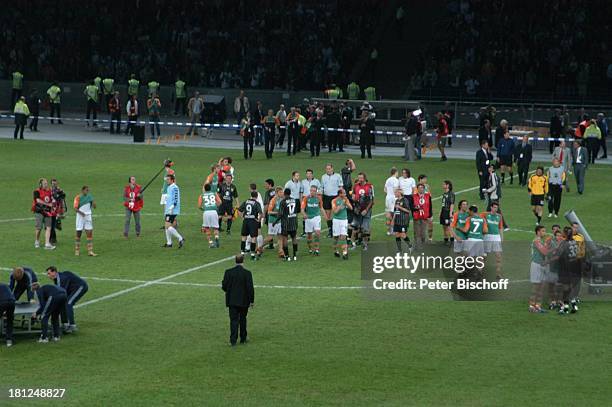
column 7, row 308
column 84, row 205
column 251, row 212
column 401, row 220
column 459, row 219
column 538, row 188
column 363, row 198
column 288, row 218
column 447, row 210
column 208, row 202
column 52, row 302
column 21, row 281
column 227, row 192
column 133, row 202
column 312, row 207
column 495, row 235
column 171, row 211
column 75, row 288
column 340, row 206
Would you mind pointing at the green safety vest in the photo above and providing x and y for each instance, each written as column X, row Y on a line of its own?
column 17, row 80
column 92, row 92
column 108, row 85
column 54, row 94
column 370, row 93
column 341, row 214
column 209, row 201
column 21, row 108
column 340, row 94
column 153, row 87
column 353, row 91
column 97, row 81
column 179, row 87
column 333, row 93
column 133, row 85
column 476, row 227
column 313, row 208
column 493, row 222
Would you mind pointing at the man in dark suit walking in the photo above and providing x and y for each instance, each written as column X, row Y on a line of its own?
column 239, row 295
column 523, row 155
column 483, row 159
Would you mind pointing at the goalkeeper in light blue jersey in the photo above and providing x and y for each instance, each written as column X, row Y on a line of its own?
column 171, row 210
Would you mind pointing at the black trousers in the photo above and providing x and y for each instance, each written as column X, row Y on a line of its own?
column 20, row 121
column 592, row 145
column 34, row 122
column 238, row 319
column 53, row 310
column 269, row 138
column 180, row 105
column 107, row 99
column 9, row 309
column 365, row 144
column 292, row 140
column 604, row 146
column 315, row 143
column 523, row 171
column 115, row 119
column 248, row 145
column 554, row 198
column 56, row 109
column 332, row 142
column 92, row 108
column 281, row 135
column 131, row 124
column 53, row 235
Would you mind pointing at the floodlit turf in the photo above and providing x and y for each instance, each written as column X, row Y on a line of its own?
column 167, row 343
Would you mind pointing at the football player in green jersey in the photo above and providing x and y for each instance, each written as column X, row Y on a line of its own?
column 494, row 237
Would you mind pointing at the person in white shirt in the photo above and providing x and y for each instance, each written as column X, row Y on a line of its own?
column 406, row 183
column 391, row 184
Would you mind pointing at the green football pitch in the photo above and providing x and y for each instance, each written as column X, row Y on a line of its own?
column 159, row 333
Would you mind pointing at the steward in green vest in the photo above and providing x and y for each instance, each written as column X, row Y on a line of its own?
column 370, row 93
column 54, row 93
column 17, row 86
column 91, row 91
column 108, row 86
column 98, row 83
column 133, row 85
column 153, row 87
column 332, row 93
column 353, row 91
column 180, row 91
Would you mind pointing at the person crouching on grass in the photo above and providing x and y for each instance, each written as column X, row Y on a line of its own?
column 539, row 271
column 340, row 205
column 84, row 205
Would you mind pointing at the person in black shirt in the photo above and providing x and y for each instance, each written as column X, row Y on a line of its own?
column 449, row 116
column 227, row 193
column 555, row 130
column 366, row 136
column 287, row 216
column 401, row 220
column 346, row 115
column 333, row 122
column 256, row 117
column 484, row 133
column 446, row 210
column 239, row 296
column 483, row 159
column 34, row 105
column 251, row 212
column 7, row 308
column 523, row 154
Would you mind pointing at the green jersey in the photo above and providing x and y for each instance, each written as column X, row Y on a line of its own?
column 342, row 213
column 54, row 94
column 459, row 224
column 209, row 201
column 272, row 217
column 97, row 81
column 312, row 206
column 107, row 85
column 494, row 223
column 153, row 87
column 476, row 230
column 536, row 255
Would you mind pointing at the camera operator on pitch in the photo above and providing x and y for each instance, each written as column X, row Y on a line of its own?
column 59, row 204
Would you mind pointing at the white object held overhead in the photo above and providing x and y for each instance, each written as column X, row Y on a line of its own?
column 417, row 112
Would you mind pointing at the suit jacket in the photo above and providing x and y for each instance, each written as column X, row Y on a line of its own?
column 568, row 160
column 481, row 160
column 582, row 158
column 526, row 151
column 238, row 286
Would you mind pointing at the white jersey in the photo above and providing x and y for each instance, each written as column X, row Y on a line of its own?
column 391, row 184
column 407, row 185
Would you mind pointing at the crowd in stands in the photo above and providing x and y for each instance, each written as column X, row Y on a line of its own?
column 209, row 43
column 491, row 47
